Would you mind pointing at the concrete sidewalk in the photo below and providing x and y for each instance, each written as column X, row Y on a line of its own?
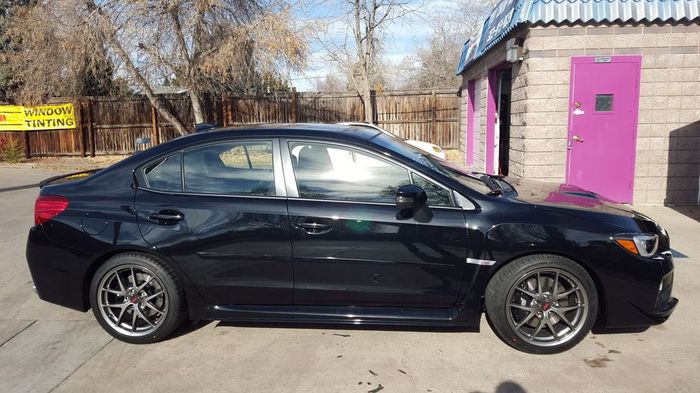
column 46, row 347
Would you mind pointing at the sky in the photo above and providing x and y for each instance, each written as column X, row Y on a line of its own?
column 403, row 36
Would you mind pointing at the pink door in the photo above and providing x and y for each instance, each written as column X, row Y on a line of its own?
column 603, row 104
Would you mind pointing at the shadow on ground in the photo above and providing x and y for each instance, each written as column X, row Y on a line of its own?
column 507, row 387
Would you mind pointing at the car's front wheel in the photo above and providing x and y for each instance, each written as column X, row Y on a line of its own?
column 137, row 298
column 542, row 303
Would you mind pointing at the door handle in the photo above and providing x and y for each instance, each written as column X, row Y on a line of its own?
column 314, row 228
column 577, row 138
column 166, row 216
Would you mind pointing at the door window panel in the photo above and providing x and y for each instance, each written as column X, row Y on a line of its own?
column 338, row 173
column 437, row 196
column 165, row 175
column 233, row 168
column 603, row 102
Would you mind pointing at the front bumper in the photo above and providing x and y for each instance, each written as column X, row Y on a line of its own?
column 665, row 302
column 637, row 291
column 662, row 314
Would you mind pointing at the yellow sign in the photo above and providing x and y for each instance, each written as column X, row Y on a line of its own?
column 34, row 118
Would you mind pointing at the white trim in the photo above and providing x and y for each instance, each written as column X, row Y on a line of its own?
column 482, row 262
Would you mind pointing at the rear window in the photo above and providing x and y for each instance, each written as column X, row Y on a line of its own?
column 165, row 175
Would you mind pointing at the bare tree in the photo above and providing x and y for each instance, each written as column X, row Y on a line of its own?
column 433, row 65
column 465, row 16
column 358, row 51
column 330, row 83
column 200, row 44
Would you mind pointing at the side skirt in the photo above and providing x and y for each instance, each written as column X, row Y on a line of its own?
column 346, row 315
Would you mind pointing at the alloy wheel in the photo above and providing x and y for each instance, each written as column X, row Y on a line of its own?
column 547, row 307
column 132, row 300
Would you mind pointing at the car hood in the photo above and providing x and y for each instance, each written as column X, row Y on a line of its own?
column 566, row 196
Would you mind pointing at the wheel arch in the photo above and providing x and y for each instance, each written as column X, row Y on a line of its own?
column 602, row 310
column 102, row 258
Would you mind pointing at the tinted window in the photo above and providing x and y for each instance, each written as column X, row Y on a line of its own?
column 165, row 175
column 462, row 175
column 437, row 196
column 233, row 168
column 339, row 173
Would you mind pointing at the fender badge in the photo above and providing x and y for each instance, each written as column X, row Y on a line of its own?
column 482, row 262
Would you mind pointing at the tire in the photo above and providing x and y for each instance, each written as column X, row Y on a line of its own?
column 139, row 314
column 529, row 318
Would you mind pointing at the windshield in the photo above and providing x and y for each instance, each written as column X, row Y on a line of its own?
column 478, row 182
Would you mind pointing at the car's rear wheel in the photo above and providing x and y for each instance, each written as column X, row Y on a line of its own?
column 137, row 298
column 542, row 303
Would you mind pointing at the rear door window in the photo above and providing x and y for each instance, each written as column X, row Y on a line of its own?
column 231, row 168
column 165, row 175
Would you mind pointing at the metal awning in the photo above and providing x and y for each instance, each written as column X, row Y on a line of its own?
column 509, row 14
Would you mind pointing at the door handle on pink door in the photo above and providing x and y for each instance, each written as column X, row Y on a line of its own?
column 577, row 138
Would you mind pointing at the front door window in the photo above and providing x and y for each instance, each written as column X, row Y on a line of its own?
column 332, row 172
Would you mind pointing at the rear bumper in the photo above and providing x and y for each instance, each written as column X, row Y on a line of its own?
column 57, row 274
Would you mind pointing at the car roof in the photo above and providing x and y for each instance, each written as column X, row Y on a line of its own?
column 315, row 130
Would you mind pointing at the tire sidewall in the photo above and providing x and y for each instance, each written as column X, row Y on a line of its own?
column 171, row 287
column 499, row 287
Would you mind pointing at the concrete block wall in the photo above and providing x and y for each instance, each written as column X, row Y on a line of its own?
column 668, row 135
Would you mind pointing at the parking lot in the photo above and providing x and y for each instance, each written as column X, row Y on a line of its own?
column 50, row 348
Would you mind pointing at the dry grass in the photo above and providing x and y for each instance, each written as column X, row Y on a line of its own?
column 236, row 158
column 65, row 164
column 454, row 156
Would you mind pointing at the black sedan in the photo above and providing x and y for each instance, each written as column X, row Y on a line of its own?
column 341, row 225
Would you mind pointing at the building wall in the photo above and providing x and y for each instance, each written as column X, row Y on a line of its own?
column 668, row 137
column 479, row 72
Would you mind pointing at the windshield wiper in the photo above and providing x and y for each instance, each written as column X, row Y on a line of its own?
column 496, row 192
column 490, row 183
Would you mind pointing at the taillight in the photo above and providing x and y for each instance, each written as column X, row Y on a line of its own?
column 47, row 207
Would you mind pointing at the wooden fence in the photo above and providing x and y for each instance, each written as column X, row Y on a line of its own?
column 108, row 125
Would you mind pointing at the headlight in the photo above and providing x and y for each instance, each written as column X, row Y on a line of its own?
column 639, row 244
column 662, row 230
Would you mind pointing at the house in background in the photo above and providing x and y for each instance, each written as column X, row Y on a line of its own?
column 602, row 94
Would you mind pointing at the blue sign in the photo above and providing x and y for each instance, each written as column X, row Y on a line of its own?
column 498, row 22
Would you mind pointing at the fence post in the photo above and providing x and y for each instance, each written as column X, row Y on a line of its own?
column 295, row 106
column 25, row 142
column 155, row 135
column 233, row 102
column 373, row 104
column 78, row 107
column 225, row 109
column 433, row 110
column 91, row 128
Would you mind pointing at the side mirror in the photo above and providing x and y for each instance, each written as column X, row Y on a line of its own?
column 410, row 197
